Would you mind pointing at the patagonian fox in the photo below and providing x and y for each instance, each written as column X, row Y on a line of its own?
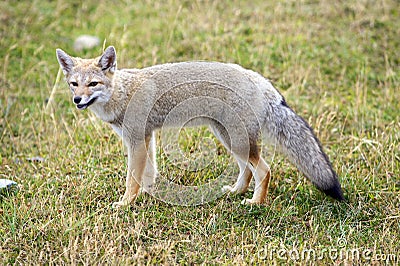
column 237, row 104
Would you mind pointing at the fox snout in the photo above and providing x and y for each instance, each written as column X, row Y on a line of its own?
column 84, row 102
column 77, row 99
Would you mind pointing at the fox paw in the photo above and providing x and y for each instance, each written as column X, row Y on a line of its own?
column 251, row 202
column 119, row 204
column 226, row 189
column 122, row 203
column 233, row 190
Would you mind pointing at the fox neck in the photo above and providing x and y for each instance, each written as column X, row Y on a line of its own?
column 106, row 113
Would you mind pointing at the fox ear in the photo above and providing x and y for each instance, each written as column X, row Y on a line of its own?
column 108, row 61
column 65, row 61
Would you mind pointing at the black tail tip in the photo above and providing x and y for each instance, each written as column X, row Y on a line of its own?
column 335, row 192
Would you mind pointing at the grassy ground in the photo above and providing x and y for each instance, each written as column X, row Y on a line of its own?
column 337, row 64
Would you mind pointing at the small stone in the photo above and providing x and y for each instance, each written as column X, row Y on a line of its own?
column 7, row 187
column 86, row 42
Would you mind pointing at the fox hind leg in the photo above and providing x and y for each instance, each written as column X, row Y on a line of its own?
column 243, row 180
column 262, row 175
column 258, row 168
column 244, row 177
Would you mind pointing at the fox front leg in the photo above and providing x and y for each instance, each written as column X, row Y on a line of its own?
column 137, row 156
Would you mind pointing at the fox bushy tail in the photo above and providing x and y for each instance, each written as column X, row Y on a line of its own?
column 297, row 141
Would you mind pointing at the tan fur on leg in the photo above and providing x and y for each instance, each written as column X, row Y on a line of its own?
column 136, row 165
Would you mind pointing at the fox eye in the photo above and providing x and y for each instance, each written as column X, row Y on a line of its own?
column 93, row 84
column 74, row 84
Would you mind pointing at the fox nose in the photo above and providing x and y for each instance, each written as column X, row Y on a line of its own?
column 77, row 99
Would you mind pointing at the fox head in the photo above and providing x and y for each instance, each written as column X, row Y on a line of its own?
column 89, row 79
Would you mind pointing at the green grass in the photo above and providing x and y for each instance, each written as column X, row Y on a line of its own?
column 337, row 64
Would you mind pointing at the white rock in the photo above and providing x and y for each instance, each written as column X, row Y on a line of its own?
column 7, row 187
column 86, row 42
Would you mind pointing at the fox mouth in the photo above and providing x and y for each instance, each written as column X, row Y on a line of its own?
column 83, row 106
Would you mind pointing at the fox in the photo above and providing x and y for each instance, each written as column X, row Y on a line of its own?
column 239, row 106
